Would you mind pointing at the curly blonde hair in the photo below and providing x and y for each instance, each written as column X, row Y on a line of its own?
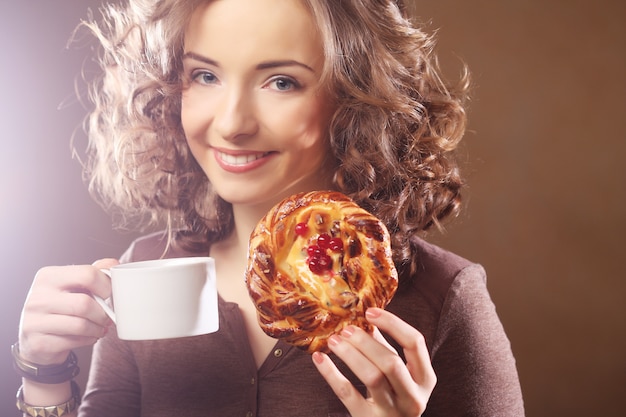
column 394, row 133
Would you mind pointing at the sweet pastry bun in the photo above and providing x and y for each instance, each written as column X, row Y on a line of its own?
column 316, row 262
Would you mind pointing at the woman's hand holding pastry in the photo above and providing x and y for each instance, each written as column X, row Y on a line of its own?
column 60, row 315
column 319, row 262
column 394, row 388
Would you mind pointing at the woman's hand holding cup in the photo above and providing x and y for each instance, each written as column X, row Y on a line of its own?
column 60, row 314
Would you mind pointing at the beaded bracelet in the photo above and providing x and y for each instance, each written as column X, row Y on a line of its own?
column 60, row 410
column 45, row 374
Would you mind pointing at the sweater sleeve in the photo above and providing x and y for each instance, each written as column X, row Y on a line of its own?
column 472, row 356
column 113, row 388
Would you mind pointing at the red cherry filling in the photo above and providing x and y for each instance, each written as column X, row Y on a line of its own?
column 314, row 251
column 335, row 244
column 323, row 241
column 320, row 264
column 318, row 259
column 301, row 229
column 325, row 262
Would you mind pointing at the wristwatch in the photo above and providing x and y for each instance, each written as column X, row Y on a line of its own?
column 45, row 374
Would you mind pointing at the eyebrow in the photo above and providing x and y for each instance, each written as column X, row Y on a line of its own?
column 261, row 66
column 197, row 57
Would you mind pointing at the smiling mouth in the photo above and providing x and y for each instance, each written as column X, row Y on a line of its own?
column 240, row 160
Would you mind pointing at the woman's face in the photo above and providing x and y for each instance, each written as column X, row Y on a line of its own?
column 253, row 112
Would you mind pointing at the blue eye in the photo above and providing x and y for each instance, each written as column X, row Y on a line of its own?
column 204, row 77
column 284, row 84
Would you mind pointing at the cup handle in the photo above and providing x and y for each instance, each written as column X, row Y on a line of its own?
column 107, row 309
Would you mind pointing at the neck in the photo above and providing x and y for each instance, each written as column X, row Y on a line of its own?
column 246, row 216
column 245, row 220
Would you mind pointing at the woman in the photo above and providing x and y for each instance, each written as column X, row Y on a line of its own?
column 208, row 114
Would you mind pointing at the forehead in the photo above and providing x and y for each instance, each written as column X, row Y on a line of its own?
column 255, row 28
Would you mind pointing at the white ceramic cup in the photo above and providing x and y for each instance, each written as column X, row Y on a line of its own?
column 162, row 299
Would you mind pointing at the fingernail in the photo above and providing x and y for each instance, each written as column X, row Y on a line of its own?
column 334, row 340
column 347, row 331
column 318, row 358
column 373, row 313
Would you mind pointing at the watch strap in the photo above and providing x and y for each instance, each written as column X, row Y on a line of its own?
column 45, row 374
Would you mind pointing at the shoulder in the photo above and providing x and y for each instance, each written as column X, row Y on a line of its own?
column 422, row 298
column 437, row 269
column 437, row 265
column 155, row 246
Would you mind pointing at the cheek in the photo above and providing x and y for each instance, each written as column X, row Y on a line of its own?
column 193, row 117
column 192, row 130
column 186, row 119
column 306, row 124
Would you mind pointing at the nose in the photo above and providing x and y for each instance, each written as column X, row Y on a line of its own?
column 235, row 115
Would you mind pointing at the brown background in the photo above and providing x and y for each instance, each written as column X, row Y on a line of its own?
column 544, row 209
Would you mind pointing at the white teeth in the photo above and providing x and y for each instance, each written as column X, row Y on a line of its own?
column 239, row 159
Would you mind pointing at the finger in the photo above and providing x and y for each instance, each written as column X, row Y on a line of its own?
column 341, row 386
column 379, row 368
column 79, row 305
column 105, row 263
column 73, row 278
column 101, row 264
column 47, row 338
column 65, row 326
column 412, row 342
column 381, row 339
column 67, row 314
column 363, row 362
column 46, row 298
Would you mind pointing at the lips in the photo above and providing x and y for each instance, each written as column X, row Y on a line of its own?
column 240, row 162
